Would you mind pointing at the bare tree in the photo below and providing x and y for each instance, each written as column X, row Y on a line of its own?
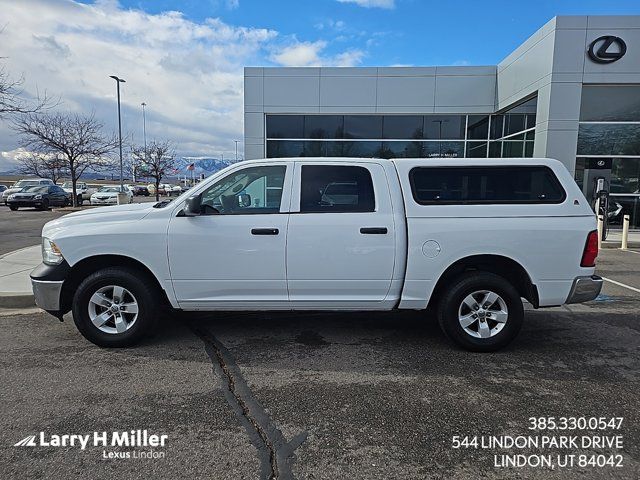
column 76, row 138
column 43, row 165
column 11, row 97
column 156, row 162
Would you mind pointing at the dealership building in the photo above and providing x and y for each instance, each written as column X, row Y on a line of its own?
column 570, row 92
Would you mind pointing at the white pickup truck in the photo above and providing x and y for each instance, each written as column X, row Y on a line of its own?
column 467, row 239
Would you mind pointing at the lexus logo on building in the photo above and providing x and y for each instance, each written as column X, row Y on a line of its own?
column 607, row 49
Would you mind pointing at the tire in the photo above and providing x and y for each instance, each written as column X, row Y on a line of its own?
column 44, row 206
column 80, row 200
column 138, row 290
column 13, row 208
column 486, row 332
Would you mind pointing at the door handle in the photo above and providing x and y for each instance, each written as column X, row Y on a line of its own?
column 264, row 231
column 373, row 230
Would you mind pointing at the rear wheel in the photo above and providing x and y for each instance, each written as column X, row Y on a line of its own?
column 115, row 307
column 481, row 312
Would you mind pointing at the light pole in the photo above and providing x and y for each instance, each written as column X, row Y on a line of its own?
column 144, row 135
column 440, row 122
column 118, row 82
column 236, row 149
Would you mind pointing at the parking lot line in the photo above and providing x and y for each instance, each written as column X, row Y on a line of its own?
column 621, row 284
column 631, row 251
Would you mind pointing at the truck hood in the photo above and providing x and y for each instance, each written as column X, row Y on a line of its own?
column 114, row 214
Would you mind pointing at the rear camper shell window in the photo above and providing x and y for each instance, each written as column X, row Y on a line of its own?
column 526, row 184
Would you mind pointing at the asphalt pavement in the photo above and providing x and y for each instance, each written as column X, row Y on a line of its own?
column 322, row 395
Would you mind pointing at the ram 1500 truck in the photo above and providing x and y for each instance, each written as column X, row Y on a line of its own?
column 467, row 239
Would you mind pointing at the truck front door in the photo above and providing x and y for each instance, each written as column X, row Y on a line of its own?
column 340, row 241
column 233, row 254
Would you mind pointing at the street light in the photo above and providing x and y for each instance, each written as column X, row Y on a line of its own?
column 118, row 81
column 440, row 122
column 144, row 128
column 144, row 135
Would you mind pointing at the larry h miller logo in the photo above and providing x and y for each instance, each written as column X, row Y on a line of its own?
column 115, row 445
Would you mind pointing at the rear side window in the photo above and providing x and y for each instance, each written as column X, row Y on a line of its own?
column 485, row 185
column 332, row 188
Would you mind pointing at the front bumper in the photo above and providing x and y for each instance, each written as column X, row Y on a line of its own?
column 47, row 294
column 47, row 282
column 111, row 201
column 24, row 203
column 585, row 289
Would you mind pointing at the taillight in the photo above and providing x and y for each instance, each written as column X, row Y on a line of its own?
column 590, row 250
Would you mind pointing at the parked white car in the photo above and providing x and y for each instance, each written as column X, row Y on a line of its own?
column 108, row 195
column 26, row 182
column 467, row 237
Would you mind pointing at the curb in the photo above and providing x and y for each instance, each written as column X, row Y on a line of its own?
column 17, row 300
column 616, row 245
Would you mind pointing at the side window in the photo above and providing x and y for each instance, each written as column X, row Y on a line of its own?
column 488, row 185
column 253, row 190
column 333, row 188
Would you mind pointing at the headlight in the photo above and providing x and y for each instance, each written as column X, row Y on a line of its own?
column 38, row 197
column 51, row 254
column 11, row 196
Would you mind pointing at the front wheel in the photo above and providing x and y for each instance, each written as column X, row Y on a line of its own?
column 115, row 307
column 13, row 208
column 481, row 312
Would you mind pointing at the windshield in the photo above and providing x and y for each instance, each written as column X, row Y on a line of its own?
column 109, row 189
column 70, row 185
column 36, row 189
column 25, row 183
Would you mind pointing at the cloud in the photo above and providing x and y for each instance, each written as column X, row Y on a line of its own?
column 372, row 3
column 190, row 74
column 330, row 24
column 300, row 54
column 308, row 54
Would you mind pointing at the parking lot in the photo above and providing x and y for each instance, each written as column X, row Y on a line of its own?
column 317, row 395
column 22, row 228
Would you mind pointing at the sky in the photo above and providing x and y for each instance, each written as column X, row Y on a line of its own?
column 185, row 59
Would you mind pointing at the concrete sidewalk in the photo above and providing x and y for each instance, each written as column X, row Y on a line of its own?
column 614, row 239
column 15, row 286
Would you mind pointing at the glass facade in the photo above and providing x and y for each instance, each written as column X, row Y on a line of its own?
column 506, row 134
column 609, row 147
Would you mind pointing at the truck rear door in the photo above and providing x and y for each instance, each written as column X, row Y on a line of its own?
column 340, row 238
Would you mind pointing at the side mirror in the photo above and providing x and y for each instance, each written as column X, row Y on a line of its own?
column 192, row 206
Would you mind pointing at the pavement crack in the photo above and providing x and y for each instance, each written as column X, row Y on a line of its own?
column 276, row 454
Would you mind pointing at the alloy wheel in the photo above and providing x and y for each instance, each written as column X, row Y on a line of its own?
column 483, row 314
column 113, row 309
